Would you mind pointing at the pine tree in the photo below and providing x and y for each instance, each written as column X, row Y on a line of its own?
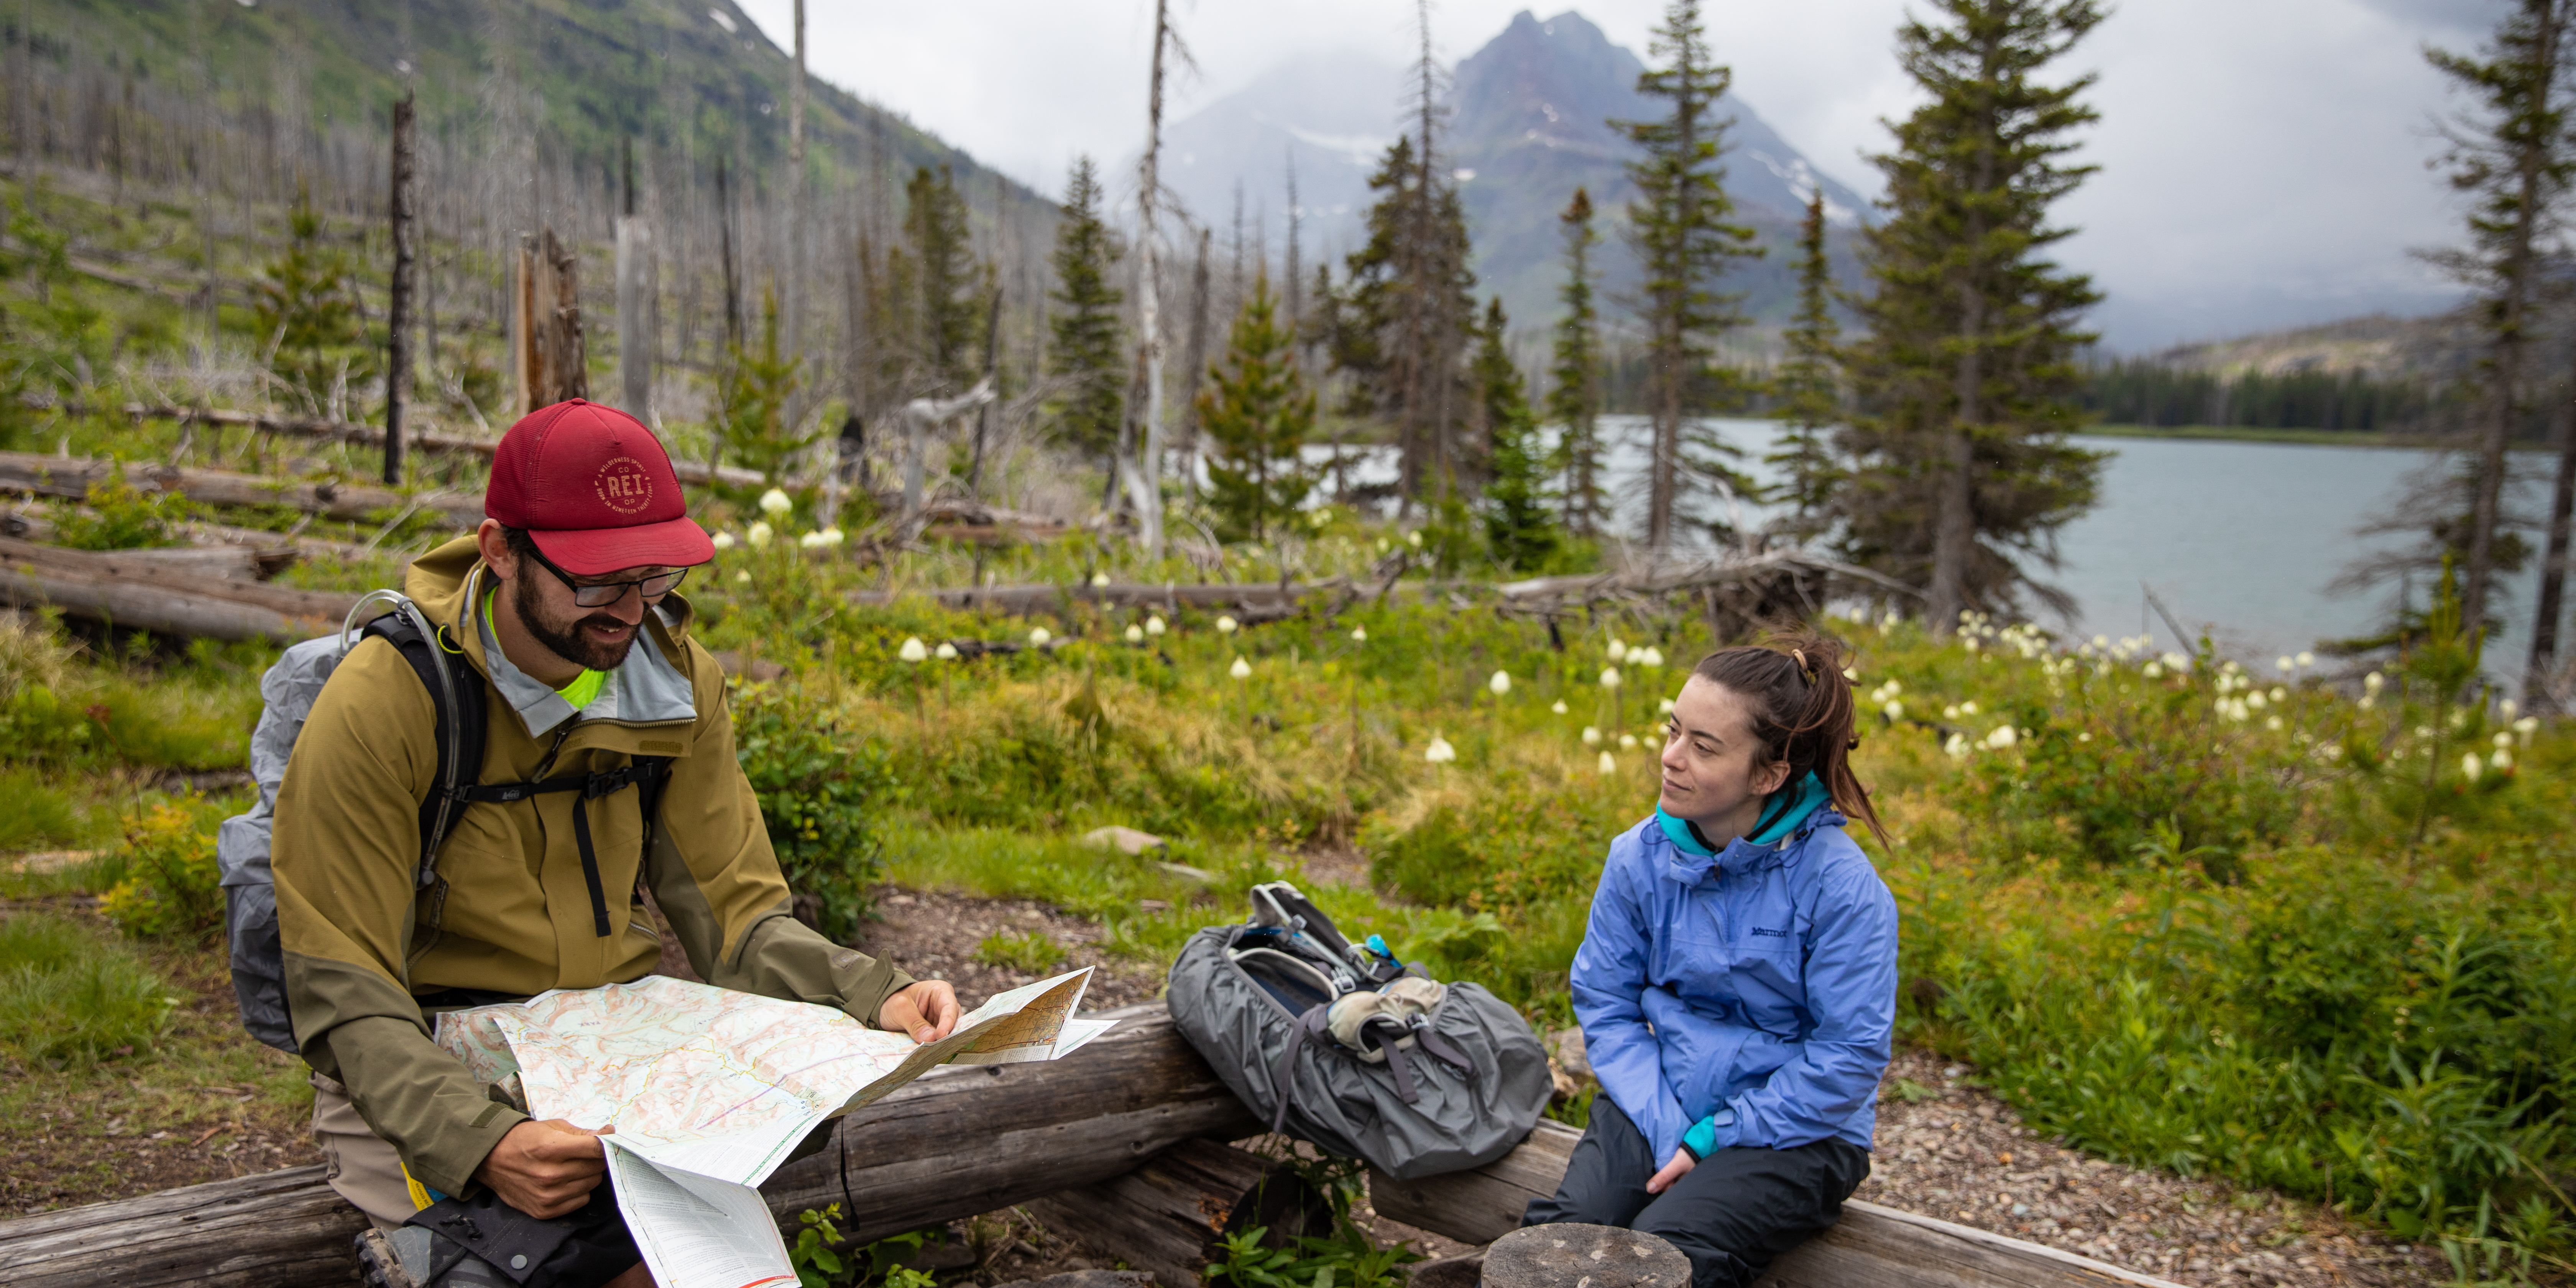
column 1520, row 524
column 2516, row 160
column 308, row 313
column 752, row 397
column 1681, row 225
column 1089, row 355
column 952, row 305
column 1399, row 329
column 1809, row 388
column 1574, row 401
column 1970, row 362
column 1256, row 414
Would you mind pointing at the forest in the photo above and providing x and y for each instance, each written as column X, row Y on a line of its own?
column 1038, row 514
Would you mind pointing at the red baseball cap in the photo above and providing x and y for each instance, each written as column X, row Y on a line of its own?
column 593, row 487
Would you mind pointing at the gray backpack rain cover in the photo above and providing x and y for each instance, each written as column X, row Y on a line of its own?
column 1350, row 1104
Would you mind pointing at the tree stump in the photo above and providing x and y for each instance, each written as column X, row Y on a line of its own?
column 1584, row 1256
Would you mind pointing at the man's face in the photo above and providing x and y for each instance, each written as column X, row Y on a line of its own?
column 596, row 638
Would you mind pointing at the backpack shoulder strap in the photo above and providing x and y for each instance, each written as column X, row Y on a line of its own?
column 455, row 691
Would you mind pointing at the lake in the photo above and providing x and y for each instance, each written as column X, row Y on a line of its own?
column 2240, row 539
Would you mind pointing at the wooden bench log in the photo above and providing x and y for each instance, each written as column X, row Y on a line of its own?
column 958, row 1142
column 1871, row 1247
column 1168, row 1215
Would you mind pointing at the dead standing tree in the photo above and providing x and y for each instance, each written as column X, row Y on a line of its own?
column 546, row 323
column 398, row 313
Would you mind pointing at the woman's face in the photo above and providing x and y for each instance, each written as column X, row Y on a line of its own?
column 1715, row 771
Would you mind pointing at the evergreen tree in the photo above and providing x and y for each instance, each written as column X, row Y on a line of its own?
column 1809, row 387
column 1520, row 523
column 1088, row 353
column 1970, row 362
column 943, row 261
column 308, row 313
column 1256, row 414
column 752, row 396
column 1681, row 226
column 1399, row 327
column 1574, row 402
column 2515, row 159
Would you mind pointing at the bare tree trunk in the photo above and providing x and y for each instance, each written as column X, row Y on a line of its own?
column 1194, row 369
column 635, row 329
column 1145, row 477
column 398, row 312
column 551, row 359
column 2537, row 690
column 1954, row 530
column 992, row 376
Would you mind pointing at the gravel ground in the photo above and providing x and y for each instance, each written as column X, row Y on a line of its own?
column 937, row 936
column 1962, row 1155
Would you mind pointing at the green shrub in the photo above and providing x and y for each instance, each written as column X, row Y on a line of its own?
column 819, row 790
column 170, row 888
column 69, row 995
column 35, row 812
column 121, row 516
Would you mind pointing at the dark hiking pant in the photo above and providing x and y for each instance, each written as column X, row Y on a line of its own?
column 1730, row 1215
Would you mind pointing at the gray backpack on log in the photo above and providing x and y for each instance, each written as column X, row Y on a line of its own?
column 1339, row 1045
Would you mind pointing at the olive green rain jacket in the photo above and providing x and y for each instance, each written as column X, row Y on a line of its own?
column 511, row 911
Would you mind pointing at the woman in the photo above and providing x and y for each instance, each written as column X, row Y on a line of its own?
column 1737, row 983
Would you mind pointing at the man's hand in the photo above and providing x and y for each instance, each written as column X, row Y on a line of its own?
column 547, row 1168
column 1673, row 1171
column 926, row 1009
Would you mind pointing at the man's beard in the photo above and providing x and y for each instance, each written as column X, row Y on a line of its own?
column 567, row 639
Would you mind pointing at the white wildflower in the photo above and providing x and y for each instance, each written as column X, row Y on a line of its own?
column 724, row 541
column 1439, row 752
column 1609, row 677
column 1241, row 669
column 1154, row 624
column 774, row 503
column 1559, row 708
column 1609, row 763
column 1135, row 634
column 2471, row 766
column 946, row 652
column 1591, row 736
column 1501, row 683
column 2003, row 736
column 1039, row 637
column 1225, row 625
column 1359, row 635
column 913, row 650
column 758, row 535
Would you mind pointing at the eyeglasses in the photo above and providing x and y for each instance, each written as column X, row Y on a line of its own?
column 602, row 594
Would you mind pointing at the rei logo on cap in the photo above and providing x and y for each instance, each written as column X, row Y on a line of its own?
column 624, row 485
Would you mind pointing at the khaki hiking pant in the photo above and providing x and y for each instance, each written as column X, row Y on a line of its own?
column 361, row 1167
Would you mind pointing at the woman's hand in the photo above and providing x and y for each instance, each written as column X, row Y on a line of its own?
column 926, row 1009
column 1673, row 1171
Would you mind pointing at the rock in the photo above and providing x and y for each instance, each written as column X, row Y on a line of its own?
column 1584, row 1256
column 1187, row 873
column 1126, row 840
column 1087, row 1279
column 1565, row 1046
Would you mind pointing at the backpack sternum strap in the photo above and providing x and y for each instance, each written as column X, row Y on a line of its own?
column 645, row 773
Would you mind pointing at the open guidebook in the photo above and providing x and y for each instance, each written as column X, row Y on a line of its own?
column 710, row 1089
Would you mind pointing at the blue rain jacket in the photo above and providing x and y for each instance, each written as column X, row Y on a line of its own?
column 1751, row 994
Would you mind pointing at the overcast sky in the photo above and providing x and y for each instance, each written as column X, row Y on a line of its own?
column 2263, row 161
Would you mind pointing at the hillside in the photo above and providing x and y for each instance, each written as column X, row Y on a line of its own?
column 2439, row 348
column 684, row 76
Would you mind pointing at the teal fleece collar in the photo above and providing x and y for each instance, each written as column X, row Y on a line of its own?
column 1781, row 815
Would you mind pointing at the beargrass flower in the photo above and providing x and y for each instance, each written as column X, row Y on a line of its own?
column 1225, row 625
column 1957, row 745
column 809, row 541
column 1501, row 683
column 2003, row 736
column 1559, row 708
column 2524, row 728
column 946, row 652
column 1627, row 742
column 1609, row 764
column 1038, row 637
column 742, row 578
column 1591, row 736
column 2471, row 766
column 2307, row 658
column 2372, row 683
column 1100, row 579
column 913, row 650
column 1154, row 624
column 724, row 541
column 758, row 535
column 775, row 503
column 1439, row 752
column 1241, row 669
column 1414, row 538
column 1895, row 711
column 2501, row 761
column 1135, row 634
column 1647, row 656
column 2152, row 670
column 1359, row 635
column 1664, row 708
column 1968, row 708
column 1609, row 677
column 2285, row 665
column 1617, row 652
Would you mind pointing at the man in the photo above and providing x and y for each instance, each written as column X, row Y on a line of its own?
column 563, row 603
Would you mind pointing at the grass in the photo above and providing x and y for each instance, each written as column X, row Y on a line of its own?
column 1028, row 953
column 70, row 995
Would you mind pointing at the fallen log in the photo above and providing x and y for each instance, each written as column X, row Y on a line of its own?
column 958, row 1142
column 1871, row 1247
column 341, row 431
column 40, row 475
column 229, row 562
column 1167, row 1215
column 1169, row 596
column 271, row 552
column 128, row 588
